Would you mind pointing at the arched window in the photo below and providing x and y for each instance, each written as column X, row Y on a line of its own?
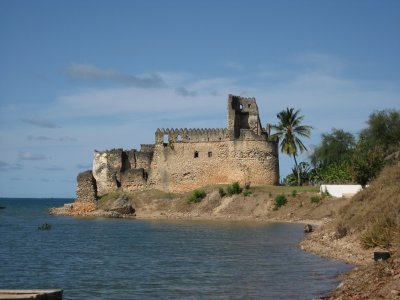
column 209, row 154
column 196, row 154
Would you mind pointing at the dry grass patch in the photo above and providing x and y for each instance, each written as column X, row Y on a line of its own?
column 374, row 213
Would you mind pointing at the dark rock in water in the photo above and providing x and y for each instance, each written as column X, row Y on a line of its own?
column 44, row 226
column 383, row 255
column 123, row 206
column 2, row 207
column 308, row 228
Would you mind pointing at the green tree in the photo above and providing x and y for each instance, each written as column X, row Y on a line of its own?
column 335, row 148
column 383, row 130
column 289, row 129
column 367, row 161
column 380, row 138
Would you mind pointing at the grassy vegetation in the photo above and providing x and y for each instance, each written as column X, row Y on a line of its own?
column 109, row 197
column 375, row 212
column 197, row 196
column 315, row 199
column 147, row 194
column 280, row 200
column 234, row 188
column 280, row 189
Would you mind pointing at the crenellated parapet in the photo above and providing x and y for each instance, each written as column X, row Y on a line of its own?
column 195, row 135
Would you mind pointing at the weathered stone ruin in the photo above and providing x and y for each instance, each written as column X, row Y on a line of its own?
column 86, row 190
column 185, row 159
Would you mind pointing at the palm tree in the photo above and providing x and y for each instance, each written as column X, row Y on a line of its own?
column 288, row 130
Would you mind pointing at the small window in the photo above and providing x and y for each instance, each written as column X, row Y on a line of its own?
column 196, row 154
column 209, row 154
column 165, row 139
column 249, row 106
column 241, row 106
column 179, row 138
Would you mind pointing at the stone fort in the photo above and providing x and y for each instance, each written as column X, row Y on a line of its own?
column 185, row 159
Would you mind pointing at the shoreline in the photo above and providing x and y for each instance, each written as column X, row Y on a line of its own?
column 258, row 208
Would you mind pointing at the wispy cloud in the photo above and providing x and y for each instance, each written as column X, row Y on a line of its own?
column 90, row 72
column 31, row 156
column 185, row 92
column 5, row 166
column 40, row 122
column 47, row 138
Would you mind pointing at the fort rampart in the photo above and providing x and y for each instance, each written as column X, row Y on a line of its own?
column 184, row 159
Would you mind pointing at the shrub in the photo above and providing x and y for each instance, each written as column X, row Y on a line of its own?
column 315, row 199
column 280, row 200
column 221, row 192
column 234, row 188
column 341, row 231
column 379, row 234
column 294, row 193
column 196, row 196
column 247, row 193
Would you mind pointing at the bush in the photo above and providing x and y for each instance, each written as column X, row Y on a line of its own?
column 315, row 199
column 379, row 234
column 234, row 188
column 221, row 192
column 247, row 193
column 197, row 195
column 280, row 200
column 294, row 193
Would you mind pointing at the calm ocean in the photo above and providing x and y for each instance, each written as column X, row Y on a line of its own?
column 135, row 259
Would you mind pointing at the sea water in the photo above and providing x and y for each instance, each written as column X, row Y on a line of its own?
column 98, row 258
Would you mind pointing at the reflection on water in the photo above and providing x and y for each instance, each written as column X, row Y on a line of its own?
column 132, row 259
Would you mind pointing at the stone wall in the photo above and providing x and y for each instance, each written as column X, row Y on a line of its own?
column 186, row 166
column 86, row 190
column 133, row 179
column 118, row 169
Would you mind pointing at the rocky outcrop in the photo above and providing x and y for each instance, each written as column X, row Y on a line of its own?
column 122, row 206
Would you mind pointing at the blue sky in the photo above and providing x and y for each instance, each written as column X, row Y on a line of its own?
column 82, row 75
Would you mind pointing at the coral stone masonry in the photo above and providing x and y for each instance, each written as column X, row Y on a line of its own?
column 185, row 159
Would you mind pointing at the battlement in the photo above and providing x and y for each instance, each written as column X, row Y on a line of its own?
column 191, row 135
